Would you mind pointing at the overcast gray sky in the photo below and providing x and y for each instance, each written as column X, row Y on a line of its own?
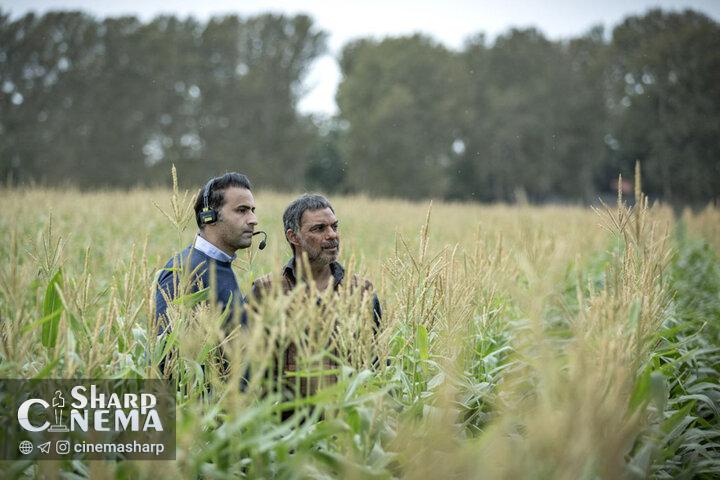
column 449, row 21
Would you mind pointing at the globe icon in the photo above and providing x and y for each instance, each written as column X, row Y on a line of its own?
column 25, row 447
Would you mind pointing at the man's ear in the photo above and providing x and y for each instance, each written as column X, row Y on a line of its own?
column 292, row 237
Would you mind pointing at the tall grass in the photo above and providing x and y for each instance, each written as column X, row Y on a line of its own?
column 516, row 342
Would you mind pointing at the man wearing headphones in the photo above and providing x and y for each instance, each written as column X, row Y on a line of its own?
column 225, row 215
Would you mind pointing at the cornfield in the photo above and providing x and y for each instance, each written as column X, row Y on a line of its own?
column 517, row 341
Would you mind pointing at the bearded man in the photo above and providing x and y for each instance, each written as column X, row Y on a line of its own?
column 312, row 230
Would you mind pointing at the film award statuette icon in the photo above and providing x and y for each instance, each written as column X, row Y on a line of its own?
column 58, row 403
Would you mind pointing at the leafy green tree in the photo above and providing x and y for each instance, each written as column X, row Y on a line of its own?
column 580, row 144
column 399, row 97
column 326, row 168
column 537, row 117
column 666, row 102
column 248, row 108
column 114, row 101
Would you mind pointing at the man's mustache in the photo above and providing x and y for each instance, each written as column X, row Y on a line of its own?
column 334, row 244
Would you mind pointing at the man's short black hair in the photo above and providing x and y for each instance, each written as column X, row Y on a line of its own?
column 216, row 192
column 294, row 212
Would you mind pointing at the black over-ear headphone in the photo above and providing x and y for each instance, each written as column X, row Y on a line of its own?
column 207, row 215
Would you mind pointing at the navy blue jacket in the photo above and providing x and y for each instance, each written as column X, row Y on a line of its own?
column 227, row 290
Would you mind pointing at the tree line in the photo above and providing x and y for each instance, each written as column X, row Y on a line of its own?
column 114, row 101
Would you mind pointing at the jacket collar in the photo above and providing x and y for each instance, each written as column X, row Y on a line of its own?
column 337, row 270
column 211, row 250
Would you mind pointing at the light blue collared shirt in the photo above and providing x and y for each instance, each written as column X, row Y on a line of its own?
column 211, row 250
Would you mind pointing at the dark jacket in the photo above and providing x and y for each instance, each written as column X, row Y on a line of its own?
column 227, row 291
column 289, row 280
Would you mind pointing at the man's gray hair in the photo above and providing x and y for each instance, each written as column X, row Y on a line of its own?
column 294, row 212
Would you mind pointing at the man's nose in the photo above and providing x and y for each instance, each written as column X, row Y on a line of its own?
column 253, row 219
column 332, row 234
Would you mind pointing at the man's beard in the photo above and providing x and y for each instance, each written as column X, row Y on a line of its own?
column 321, row 256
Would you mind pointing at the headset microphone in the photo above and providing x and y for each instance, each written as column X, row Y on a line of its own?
column 263, row 243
